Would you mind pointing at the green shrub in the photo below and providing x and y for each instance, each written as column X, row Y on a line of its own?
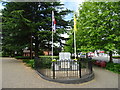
column 22, row 57
column 0, row 54
column 31, row 63
column 115, row 67
column 45, row 61
column 83, row 66
column 56, row 57
column 93, row 60
column 5, row 55
column 26, row 60
column 115, row 56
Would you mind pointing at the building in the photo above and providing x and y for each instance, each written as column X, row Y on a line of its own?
column 47, row 53
column 27, row 53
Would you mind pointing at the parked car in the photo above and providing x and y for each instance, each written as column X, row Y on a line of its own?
column 82, row 55
column 90, row 54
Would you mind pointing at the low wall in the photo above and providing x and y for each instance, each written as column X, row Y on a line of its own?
column 83, row 79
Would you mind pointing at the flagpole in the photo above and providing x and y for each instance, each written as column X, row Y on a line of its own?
column 75, row 36
column 52, row 44
column 75, row 44
column 52, row 37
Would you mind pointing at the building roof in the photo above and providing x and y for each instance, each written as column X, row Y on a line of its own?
column 27, row 51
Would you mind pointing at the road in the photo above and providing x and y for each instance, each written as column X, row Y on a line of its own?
column 15, row 74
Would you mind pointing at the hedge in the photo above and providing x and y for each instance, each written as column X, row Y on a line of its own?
column 50, row 56
column 115, row 67
column 29, row 62
column 115, row 56
column 22, row 57
column 45, row 61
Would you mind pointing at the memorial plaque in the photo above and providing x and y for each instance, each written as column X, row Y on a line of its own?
column 64, row 56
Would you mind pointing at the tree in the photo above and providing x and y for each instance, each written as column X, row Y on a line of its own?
column 69, row 45
column 98, row 26
column 12, row 40
column 23, row 20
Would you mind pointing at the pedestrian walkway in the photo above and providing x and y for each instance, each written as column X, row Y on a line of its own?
column 16, row 75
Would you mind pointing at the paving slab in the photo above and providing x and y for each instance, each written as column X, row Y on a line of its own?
column 15, row 74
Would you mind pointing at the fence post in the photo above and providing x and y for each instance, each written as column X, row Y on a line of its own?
column 36, row 62
column 90, row 66
column 53, row 70
column 79, row 69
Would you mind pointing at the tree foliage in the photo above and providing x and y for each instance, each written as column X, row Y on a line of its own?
column 98, row 26
column 23, row 20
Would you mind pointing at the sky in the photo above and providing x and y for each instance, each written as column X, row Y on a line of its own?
column 1, row 7
column 69, row 4
column 72, row 5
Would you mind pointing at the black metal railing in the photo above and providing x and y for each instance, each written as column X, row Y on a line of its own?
column 63, row 69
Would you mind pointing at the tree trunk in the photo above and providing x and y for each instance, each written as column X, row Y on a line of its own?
column 110, row 54
column 31, row 46
column 86, row 55
column 36, row 46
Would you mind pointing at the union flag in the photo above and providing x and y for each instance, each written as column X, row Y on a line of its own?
column 53, row 22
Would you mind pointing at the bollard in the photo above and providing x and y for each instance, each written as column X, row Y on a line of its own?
column 36, row 62
column 90, row 66
column 53, row 70
column 79, row 69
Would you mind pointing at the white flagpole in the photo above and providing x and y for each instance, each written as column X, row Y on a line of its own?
column 75, row 44
column 75, row 39
column 52, row 35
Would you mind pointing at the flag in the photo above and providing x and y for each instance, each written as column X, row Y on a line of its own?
column 75, row 29
column 53, row 23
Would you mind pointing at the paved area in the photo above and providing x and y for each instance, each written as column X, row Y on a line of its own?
column 0, row 73
column 16, row 75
